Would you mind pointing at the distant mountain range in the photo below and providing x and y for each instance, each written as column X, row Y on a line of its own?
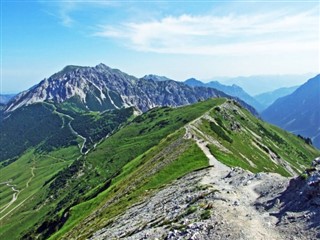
column 100, row 88
column 233, row 90
column 258, row 84
column 298, row 112
column 267, row 98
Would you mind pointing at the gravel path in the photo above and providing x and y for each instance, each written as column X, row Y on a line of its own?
column 242, row 214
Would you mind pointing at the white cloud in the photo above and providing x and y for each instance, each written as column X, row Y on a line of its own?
column 276, row 32
column 64, row 15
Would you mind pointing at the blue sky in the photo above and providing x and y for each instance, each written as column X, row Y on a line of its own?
column 177, row 39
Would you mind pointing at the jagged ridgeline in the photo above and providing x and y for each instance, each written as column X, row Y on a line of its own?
column 60, row 193
column 100, row 88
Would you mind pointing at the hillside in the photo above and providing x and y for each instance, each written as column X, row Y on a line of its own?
column 233, row 90
column 298, row 112
column 85, row 192
column 225, row 131
column 56, row 112
column 48, row 126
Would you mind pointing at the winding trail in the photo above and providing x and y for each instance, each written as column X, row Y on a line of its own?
column 82, row 137
column 16, row 193
column 237, row 207
column 32, row 176
column 16, row 207
column 74, row 132
column 14, row 198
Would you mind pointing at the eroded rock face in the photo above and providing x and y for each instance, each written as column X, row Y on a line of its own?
column 298, row 206
column 314, row 174
column 312, row 189
column 100, row 88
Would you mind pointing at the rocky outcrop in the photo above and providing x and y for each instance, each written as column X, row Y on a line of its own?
column 297, row 207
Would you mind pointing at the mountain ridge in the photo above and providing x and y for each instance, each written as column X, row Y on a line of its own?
column 101, row 87
column 233, row 90
column 267, row 98
column 5, row 98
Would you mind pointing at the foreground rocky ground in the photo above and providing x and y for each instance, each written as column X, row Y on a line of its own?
column 225, row 203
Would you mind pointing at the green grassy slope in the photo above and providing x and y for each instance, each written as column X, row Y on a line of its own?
column 27, row 127
column 40, row 143
column 46, row 127
column 28, row 175
column 253, row 144
column 146, row 153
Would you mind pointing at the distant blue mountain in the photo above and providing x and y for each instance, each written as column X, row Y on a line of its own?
column 233, row 90
column 258, row 84
column 298, row 112
column 267, row 98
column 5, row 98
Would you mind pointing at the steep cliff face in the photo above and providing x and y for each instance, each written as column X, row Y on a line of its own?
column 99, row 88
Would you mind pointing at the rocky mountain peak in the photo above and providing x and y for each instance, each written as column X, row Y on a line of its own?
column 193, row 82
column 100, row 88
column 102, row 66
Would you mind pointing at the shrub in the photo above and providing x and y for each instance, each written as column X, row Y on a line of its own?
column 206, row 214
